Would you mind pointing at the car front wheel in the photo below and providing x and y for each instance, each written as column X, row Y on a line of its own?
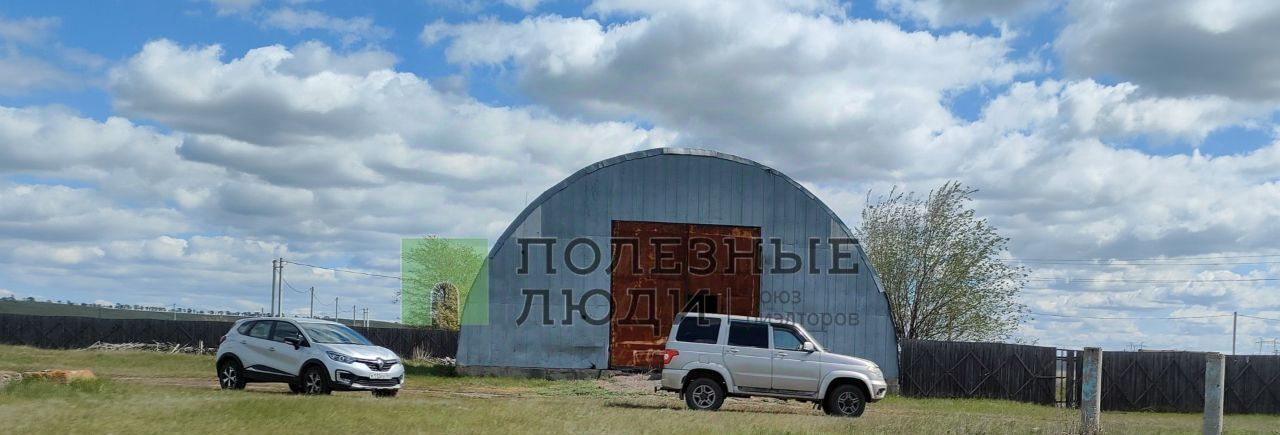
column 315, row 381
column 846, row 401
column 230, row 375
column 704, row 394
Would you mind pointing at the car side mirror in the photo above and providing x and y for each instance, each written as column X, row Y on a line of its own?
column 808, row 347
column 297, row 342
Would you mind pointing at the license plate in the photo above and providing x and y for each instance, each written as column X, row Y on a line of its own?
column 380, row 376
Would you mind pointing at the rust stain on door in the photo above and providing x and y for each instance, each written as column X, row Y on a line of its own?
column 661, row 269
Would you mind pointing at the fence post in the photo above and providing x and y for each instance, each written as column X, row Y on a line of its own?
column 1214, row 383
column 1091, row 391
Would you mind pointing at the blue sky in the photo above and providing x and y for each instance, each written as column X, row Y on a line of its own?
column 163, row 152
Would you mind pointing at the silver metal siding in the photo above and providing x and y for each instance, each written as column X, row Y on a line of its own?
column 668, row 185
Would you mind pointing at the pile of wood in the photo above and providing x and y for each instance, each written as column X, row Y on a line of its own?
column 153, row 347
column 63, row 376
column 7, row 377
column 60, row 376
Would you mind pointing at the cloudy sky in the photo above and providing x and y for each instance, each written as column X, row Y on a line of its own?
column 164, row 152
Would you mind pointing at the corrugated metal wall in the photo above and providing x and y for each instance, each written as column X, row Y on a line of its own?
column 669, row 185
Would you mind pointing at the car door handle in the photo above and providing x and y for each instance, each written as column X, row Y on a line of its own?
column 781, row 354
column 243, row 342
column 273, row 349
column 732, row 350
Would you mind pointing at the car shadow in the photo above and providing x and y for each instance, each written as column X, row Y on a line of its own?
column 412, row 369
column 755, row 408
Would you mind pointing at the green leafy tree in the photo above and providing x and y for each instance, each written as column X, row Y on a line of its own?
column 940, row 266
column 436, row 279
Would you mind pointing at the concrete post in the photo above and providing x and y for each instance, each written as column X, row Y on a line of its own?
column 1214, row 382
column 1091, row 391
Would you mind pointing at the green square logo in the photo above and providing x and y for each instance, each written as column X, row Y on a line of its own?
column 444, row 283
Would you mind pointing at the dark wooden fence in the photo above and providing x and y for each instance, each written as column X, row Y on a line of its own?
column 979, row 370
column 1252, row 384
column 1131, row 381
column 58, row 332
column 1152, row 381
column 1174, row 382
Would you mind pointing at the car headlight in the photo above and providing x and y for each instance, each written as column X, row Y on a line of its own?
column 339, row 357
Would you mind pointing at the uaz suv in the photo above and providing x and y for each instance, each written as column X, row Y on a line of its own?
column 312, row 356
column 712, row 356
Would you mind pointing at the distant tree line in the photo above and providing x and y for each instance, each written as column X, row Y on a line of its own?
column 136, row 307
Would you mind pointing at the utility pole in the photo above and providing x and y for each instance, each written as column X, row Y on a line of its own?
column 1233, row 332
column 313, row 303
column 335, row 308
column 1275, row 346
column 366, row 317
column 280, row 290
column 353, row 315
column 275, row 269
column 175, row 311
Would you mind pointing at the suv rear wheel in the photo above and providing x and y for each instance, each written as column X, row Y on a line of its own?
column 704, row 394
column 315, row 381
column 845, row 401
column 230, row 375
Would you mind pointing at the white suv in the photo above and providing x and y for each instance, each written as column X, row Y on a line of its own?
column 312, row 356
column 712, row 356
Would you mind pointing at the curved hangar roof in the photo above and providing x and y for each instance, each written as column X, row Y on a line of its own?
column 848, row 313
column 614, row 161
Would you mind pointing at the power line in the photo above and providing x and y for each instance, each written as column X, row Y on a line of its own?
column 1260, row 318
column 1131, row 318
column 1151, row 280
column 343, row 270
column 1121, row 263
column 286, row 283
column 1154, row 259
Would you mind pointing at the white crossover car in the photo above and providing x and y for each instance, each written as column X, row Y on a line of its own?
column 312, row 356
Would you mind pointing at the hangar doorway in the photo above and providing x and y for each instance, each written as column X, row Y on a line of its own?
column 661, row 269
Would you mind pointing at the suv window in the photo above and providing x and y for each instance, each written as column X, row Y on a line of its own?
column 284, row 330
column 260, row 329
column 749, row 334
column 243, row 329
column 695, row 329
column 785, row 338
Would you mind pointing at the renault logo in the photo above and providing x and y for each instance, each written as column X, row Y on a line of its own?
column 381, row 364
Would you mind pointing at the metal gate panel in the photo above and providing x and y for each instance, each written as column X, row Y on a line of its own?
column 738, row 292
column 646, row 301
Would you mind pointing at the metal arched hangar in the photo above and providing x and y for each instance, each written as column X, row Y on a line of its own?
column 590, row 275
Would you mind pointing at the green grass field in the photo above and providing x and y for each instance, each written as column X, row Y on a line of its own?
column 142, row 392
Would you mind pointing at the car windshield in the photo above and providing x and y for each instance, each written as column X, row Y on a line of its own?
column 334, row 334
column 808, row 336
